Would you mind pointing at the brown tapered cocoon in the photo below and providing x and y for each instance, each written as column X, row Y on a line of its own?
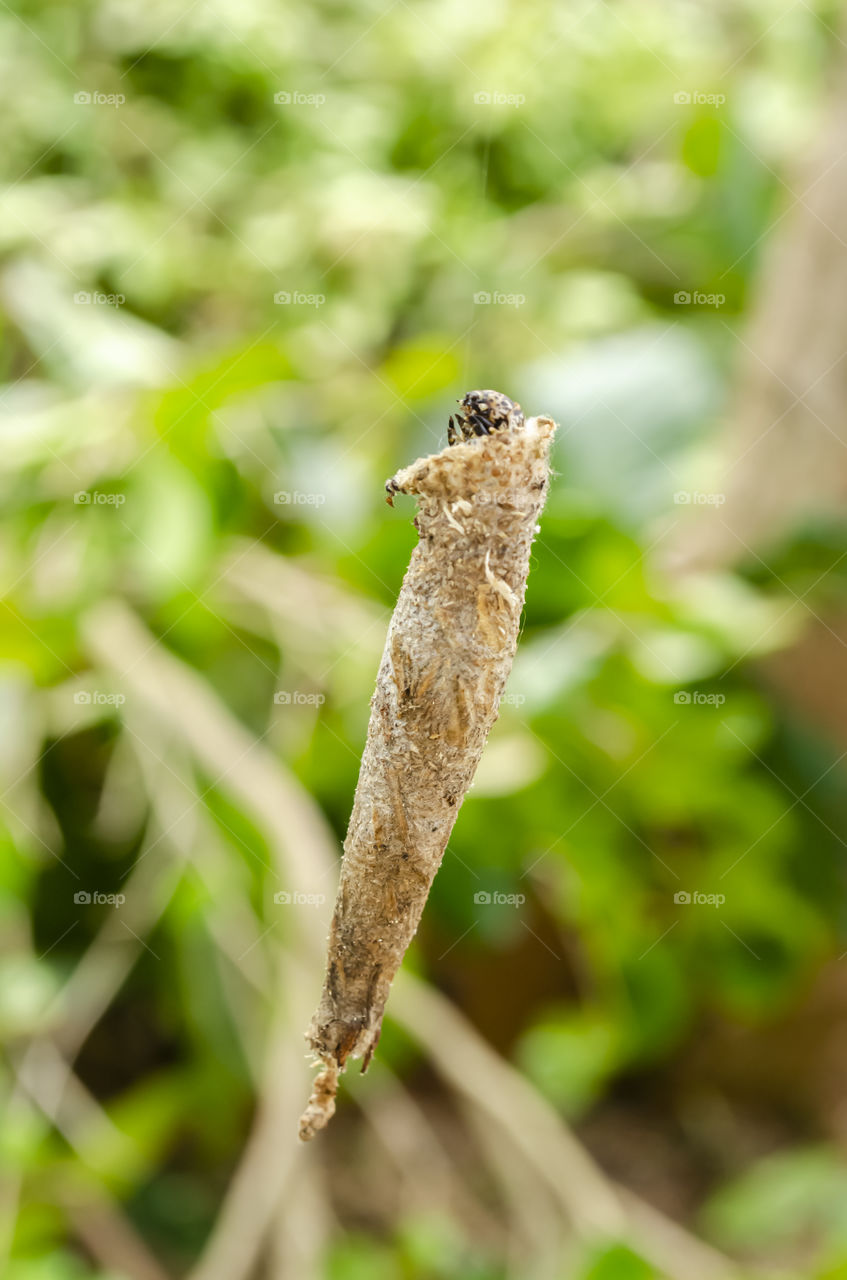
column 449, row 651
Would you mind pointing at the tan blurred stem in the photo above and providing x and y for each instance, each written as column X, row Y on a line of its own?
column 187, row 709
column 298, row 1222
column 424, row 1170
column 538, row 1236
column 178, row 825
column 299, row 1230
column 10, row 1199
column 104, row 966
column 44, row 1070
column 266, row 1167
column 781, row 456
column 590, row 1200
column 449, row 651
column 269, row 1161
column 307, row 612
column 262, row 1186
column 181, row 700
column 46, row 1078
column 109, row 1237
column 179, row 828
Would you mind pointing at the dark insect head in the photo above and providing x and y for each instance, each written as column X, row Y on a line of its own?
column 484, row 412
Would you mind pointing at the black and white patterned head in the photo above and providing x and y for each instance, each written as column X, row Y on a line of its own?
column 484, row 412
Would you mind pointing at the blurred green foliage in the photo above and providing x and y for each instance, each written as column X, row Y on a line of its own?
column 638, row 755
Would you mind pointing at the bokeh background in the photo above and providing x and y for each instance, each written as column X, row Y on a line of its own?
column 251, row 254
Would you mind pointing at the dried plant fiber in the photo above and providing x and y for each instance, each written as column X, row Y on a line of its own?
column 447, row 656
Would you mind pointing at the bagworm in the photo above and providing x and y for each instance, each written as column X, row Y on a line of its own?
column 449, row 650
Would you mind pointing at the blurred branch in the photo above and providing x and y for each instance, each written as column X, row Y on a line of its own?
column 269, row 1160
column 183, row 826
column 538, row 1239
column 183, row 701
column 477, row 1072
column 309, row 610
column 588, row 1198
column 47, row 1078
column 178, row 820
column 10, row 1188
column 108, row 1236
column 266, row 1170
column 787, row 423
column 409, row 1142
column 301, row 1228
column 106, row 963
column 300, row 838
column 421, row 1162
